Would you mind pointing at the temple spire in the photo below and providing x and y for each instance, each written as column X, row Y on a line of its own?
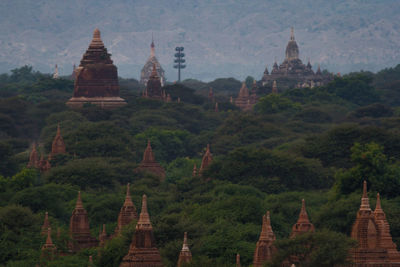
column 46, row 224
column 185, row 256
column 55, row 74
column 365, row 200
column 127, row 212
column 303, row 224
column 48, row 239
column 96, row 40
column 265, row 246
column 194, row 172
column 238, row 260
column 378, row 202
column 79, row 204
column 292, row 34
column 144, row 217
column 48, row 249
column 152, row 47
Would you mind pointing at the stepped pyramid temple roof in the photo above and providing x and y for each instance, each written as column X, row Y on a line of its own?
column 148, row 67
column 265, row 245
column 293, row 68
column 127, row 213
column 372, row 231
column 96, row 78
column 207, row 159
column 58, row 145
column 303, row 224
column 185, row 256
column 149, row 163
column 79, row 228
column 143, row 251
column 153, row 86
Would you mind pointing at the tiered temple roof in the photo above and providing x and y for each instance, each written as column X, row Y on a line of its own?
column 149, row 163
column 303, row 224
column 265, row 245
column 79, row 230
column 143, row 251
column 207, row 159
column 293, row 68
column 148, row 67
column 371, row 230
column 185, row 256
column 96, row 78
column 127, row 213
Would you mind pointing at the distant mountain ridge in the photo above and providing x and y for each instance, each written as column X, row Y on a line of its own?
column 229, row 38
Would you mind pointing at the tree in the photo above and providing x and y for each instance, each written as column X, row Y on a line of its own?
column 323, row 249
column 274, row 103
column 372, row 165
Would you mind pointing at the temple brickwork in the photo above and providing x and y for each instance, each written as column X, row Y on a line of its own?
column 185, row 256
column 148, row 67
column 58, row 145
column 303, row 224
column 207, row 159
column 79, row 230
column 293, row 68
column 127, row 213
column 153, row 86
column 149, row 163
column 143, row 251
column 371, row 230
column 265, row 245
column 96, row 78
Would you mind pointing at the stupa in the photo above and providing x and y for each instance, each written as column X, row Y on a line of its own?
column 96, row 78
column 185, row 256
column 149, row 163
column 148, row 67
column 207, row 159
column 265, row 245
column 303, row 224
column 127, row 213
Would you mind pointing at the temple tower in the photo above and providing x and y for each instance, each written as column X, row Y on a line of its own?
column 238, row 260
column 185, row 256
column 49, row 250
column 207, row 159
column 127, row 213
column 149, row 163
column 55, row 74
column 148, row 67
column 143, row 251
column 265, row 245
column 58, row 145
column 303, row 224
column 33, row 158
column 96, row 78
column 242, row 101
column 292, row 50
column 79, row 228
column 46, row 224
column 153, row 86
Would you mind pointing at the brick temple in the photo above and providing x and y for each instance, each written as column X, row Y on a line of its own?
column 149, row 163
column 96, row 79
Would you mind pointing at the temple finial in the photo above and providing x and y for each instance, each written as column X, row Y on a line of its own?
column 79, row 204
column 365, row 190
column 128, row 193
column 144, row 217
column 378, row 202
column 292, row 34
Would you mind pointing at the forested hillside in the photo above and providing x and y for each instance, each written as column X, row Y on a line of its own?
column 317, row 144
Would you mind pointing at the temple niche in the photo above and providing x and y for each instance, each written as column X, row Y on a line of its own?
column 96, row 79
column 148, row 67
column 294, row 69
column 371, row 230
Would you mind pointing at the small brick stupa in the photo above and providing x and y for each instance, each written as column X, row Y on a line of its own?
column 79, row 228
column 58, row 145
column 46, row 224
column 265, row 245
column 33, row 158
column 96, row 78
column 185, row 256
column 127, row 213
column 153, row 87
column 371, row 230
column 149, row 163
column 143, row 251
column 243, row 99
column 49, row 250
column 303, row 224
column 207, row 159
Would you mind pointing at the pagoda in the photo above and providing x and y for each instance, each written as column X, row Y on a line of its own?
column 293, row 68
column 185, row 256
column 243, row 99
column 303, row 224
column 207, row 159
column 149, row 163
column 49, row 250
column 79, row 228
column 147, row 69
column 33, row 158
column 58, row 145
column 371, row 230
column 265, row 245
column 127, row 213
column 153, row 86
column 143, row 251
column 96, row 78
